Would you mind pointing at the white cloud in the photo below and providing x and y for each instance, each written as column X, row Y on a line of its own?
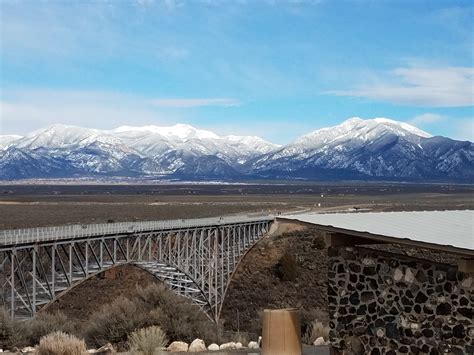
column 26, row 110
column 465, row 130
column 185, row 103
column 436, row 87
column 426, row 118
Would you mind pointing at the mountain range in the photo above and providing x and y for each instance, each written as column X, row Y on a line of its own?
column 357, row 149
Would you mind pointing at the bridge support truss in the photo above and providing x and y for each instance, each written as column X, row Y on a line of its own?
column 196, row 263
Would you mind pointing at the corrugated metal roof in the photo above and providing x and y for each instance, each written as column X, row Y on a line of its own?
column 448, row 228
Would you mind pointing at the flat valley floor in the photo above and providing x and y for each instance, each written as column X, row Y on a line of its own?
column 29, row 205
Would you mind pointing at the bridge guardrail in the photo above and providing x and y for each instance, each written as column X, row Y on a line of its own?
column 29, row 235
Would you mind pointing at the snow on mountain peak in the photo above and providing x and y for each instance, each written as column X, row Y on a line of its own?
column 358, row 128
column 6, row 140
column 179, row 130
column 60, row 136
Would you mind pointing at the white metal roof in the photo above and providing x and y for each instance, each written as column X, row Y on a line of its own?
column 449, row 228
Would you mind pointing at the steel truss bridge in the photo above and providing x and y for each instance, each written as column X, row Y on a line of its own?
column 195, row 258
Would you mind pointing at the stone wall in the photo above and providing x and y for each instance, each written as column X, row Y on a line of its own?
column 383, row 303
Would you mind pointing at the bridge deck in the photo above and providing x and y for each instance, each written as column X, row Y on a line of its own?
column 41, row 234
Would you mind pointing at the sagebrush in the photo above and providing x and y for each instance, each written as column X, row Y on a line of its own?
column 147, row 340
column 154, row 305
column 176, row 315
column 47, row 323
column 114, row 321
column 59, row 343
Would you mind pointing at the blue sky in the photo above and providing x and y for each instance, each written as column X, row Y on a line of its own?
column 277, row 69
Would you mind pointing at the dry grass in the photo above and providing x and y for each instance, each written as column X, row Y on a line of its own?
column 59, row 343
column 12, row 332
column 147, row 340
column 315, row 330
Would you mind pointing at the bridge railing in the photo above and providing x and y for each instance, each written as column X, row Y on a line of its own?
column 29, row 235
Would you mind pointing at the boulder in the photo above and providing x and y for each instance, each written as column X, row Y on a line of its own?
column 319, row 341
column 197, row 345
column 28, row 349
column 238, row 346
column 227, row 346
column 106, row 349
column 213, row 347
column 177, row 346
column 253, row 345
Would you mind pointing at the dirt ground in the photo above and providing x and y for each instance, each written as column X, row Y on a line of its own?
column 257, row 283
column 83, row 300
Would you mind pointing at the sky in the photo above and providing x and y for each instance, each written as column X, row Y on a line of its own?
column 276, row 69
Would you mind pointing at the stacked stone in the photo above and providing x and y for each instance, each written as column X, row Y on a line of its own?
column 382, row 303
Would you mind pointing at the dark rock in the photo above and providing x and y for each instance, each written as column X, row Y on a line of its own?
column 420, row 276
column 443, row 309
column 369, row 271
column 354, row 298
column 406, row 301
column 466, row 312
column 391, row 331
column 372, row 308
column 448, row 287
column 362, row 309
column 354, row 268
column 341, row 269
column 403, row 349
column 421, row 298
column 427, row 333
column 367, row 296
column 463, row 301
column 428, row 309
column 360, row 331
column 451, row 275
column 459, row 331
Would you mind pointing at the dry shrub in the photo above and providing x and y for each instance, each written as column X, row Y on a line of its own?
column 287, row 268
column 46, row 323
column 176, row 315
column 154, row 305
column 315, row 330
column 113, row 322
column 147, row 340
column 59, row 343
column 12, row 332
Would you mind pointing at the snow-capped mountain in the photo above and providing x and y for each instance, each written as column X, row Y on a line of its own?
column 6, row 140
column 376, row 148
column 368, row 149
column 61, row 150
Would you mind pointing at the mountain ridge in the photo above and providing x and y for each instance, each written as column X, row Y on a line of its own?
column 370, row 149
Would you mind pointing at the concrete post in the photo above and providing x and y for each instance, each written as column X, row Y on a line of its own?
column 281, row 333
